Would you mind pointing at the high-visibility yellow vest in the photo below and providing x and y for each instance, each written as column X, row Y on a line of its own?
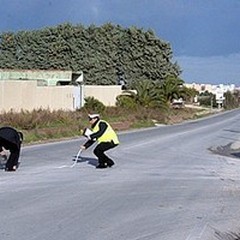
column 109, row 134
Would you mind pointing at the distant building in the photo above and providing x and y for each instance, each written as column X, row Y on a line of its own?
column 217, row 90
column 211, row 88
column 43, row 77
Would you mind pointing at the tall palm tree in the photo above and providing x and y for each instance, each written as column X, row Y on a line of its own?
column 147, row 94
column 172, row 88
column 188, row 94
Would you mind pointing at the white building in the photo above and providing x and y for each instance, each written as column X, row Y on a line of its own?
column 211, row 88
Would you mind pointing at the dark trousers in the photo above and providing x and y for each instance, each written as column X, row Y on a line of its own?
column 99, row 152
column 13, row 158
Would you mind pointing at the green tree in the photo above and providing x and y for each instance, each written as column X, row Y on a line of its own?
column 188, row 94
column 236, row 94
column 207, row 99
column 147, row 94
column 94, row 105
column 172, row 88
column 98, row 51
column 230, row 101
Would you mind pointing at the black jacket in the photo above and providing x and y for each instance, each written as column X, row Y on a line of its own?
column 99, row 133
column 10, row 138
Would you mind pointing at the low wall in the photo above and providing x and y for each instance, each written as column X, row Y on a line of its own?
column 105, row 94
column 26, row 95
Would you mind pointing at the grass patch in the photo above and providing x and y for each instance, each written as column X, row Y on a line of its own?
column 44, row 125
column 143, row 124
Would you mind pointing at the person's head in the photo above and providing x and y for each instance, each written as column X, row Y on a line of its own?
column 93, row 118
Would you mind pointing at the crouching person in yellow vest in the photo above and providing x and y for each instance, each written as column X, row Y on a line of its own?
column 102, row 132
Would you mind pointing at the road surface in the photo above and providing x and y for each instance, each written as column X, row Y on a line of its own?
column 166, row 185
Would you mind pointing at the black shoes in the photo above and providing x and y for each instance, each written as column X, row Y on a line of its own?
column 105, row 165
column 102, row 166
column 110, row 163
column 11, row 169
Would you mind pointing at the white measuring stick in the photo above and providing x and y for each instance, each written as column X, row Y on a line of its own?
column 76, row 159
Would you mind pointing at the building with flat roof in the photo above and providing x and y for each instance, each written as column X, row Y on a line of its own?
column 211, row 88
column 43, row 77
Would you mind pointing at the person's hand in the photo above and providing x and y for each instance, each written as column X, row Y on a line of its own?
column 3, row 153
column 82, row 147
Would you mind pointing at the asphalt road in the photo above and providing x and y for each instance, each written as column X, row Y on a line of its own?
column 166, row 185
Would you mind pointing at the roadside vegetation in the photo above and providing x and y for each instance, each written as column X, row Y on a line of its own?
column 108, row 55
column 148, row 105
column 45, row 125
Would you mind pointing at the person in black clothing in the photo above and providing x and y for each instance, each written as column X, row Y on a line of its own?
column 102, row 132
column 11, row 140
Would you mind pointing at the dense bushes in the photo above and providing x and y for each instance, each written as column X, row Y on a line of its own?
column 93, row 105
column 44, row 124
column 126, row 102
column 40, row 125
column 102, row 53
column 232, row 100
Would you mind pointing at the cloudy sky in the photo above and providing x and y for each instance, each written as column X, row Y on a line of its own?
column 204, row 34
